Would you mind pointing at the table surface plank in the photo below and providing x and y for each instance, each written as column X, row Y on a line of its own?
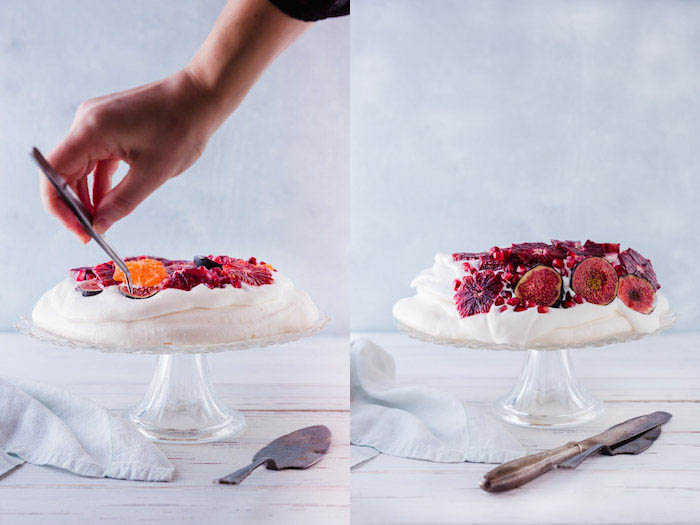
column 278, row 389
column 662, row 485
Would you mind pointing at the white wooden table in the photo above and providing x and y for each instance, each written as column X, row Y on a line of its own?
column 661, row 485
column 278, row 389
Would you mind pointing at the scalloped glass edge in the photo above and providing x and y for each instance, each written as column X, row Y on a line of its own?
column 27, row 327
column 666, row 322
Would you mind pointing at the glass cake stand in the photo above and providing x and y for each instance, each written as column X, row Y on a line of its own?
column 547, row 394
column 180, row 404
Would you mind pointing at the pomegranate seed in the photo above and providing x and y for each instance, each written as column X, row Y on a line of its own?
column 578, row 298
column 500, row 300
column 558, row 263
column 512, row 267
column 507, row 293
column 508, row 276
column 498, row 256
column 571, row 261
column 543, row 309
column 466, row 266
column 513, row 301
column 520, row 308
column 521, row 269
column 530, row 304
column 494, row 250
column 503, row 308
column 458, row 283
column 620, row 272
column 567, row 304
column 564, row 272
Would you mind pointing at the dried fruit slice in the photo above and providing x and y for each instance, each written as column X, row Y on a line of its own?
column 594, row 249
column 138, row 293
column 596, row 280
column 477, row 293
column 533, row 253
column 251, row 274
column 635, row 263
column 144, row 272
column 90, row 287
column 637, row 293
column 542, row 285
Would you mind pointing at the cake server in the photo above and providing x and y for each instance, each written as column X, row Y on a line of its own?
column 74, row 204
column 629, row 437
column 299, row 450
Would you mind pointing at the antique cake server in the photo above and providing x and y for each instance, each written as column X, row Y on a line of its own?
column 629, row 437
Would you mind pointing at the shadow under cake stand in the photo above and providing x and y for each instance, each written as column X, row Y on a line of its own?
column 180, row 404
column 547, row 394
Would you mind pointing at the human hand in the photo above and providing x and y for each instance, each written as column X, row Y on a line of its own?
column 159, row 129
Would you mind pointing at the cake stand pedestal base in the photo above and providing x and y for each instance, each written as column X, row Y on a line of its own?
column 547, row 394
column 181, row 405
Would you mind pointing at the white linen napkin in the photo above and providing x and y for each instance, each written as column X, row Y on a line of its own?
column 45, row 425
column 414, row 421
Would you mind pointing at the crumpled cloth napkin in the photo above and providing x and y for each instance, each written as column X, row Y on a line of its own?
column 45, row 425
column 414, row 421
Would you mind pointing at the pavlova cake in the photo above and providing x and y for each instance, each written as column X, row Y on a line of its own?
column 536, row 293
column 208, row 300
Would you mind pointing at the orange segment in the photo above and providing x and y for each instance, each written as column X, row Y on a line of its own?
column 144, row 272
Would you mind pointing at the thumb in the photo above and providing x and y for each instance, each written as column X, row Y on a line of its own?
column 121, row 200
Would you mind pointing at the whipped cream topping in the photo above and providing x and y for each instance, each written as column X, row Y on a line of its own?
column 432, row 310
column 172, row 316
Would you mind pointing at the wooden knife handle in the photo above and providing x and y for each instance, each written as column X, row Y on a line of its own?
column 519, row 471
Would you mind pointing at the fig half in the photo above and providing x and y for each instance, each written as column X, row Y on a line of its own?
column 90, row 287
column 596, row 280
column 542, row 284
column 138, row 293
column 637, row 293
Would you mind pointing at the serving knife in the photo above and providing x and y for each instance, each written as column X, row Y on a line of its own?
column 629, row 437
column 74, row 204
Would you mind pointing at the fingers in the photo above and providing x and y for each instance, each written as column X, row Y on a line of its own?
column 81, row 188
column 102, row 181
column 138, row 184
column 55, row 206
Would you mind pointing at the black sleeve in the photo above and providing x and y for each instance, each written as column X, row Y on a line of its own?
column 312, row 10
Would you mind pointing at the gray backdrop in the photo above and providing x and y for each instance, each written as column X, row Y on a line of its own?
column 272, row 183
column 481, row 123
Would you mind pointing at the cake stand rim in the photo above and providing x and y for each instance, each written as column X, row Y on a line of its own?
column 26, row 326
column 667, row 321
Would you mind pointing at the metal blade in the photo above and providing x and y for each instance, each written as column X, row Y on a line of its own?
column 74, row 204
column 635, row 446
column 628, row 430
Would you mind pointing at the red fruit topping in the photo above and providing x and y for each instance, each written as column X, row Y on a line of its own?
column 458, row 283
column 489, row 263
column 503, row 308
column 83, row 273
column 543, row 309
column 138, row 293
column 571, row 261
column 619, row 270
column 611, row 247
column 637, row 293
column 542, row 285
column 462, row 256
column 594, row 249
column 635, row 263
column 508, row 276
column 558, row 263
column 251, row 274
column 513, row 301
column 477, row 293
column 507, row 293
column 578, row 298
column 564, row 272
column 572, row 247
column 466, row 266
column 596, row 280
column 499, row 301
column 105, row 273
column 567, row 304
column 520, row 308
column 532, row 253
